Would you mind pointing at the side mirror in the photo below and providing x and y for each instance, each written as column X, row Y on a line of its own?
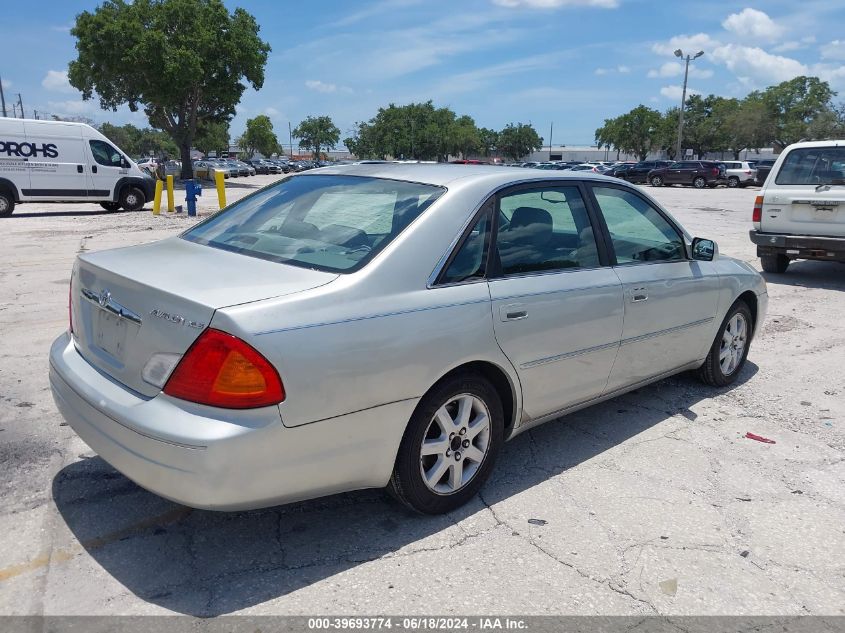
column 125, row 163
column 704, row 250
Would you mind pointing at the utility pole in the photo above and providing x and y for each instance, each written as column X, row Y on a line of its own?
column 2, row 98
column 290, row 141
column 551, row 129
column 14, row 110
column 20, row 103
column 687, row 59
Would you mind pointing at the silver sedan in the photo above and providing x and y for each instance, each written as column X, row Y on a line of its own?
column 386, row 326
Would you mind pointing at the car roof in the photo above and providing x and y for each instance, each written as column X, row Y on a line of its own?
column 443, row 174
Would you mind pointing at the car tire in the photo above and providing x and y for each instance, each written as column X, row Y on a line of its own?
column 656, row 181
column 733, row 182
column 432, row 481
column 7, row 204
column 110, row 206
column 699, row 182
column 729, row 351
column 132, row 199
column 774, row 263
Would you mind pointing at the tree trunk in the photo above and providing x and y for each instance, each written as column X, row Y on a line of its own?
column 187, row 166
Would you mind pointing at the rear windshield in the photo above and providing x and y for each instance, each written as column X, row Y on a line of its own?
column 813, row 166
column 330, row 223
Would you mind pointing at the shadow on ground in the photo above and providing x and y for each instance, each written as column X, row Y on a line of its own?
column 39, row 211
column 206, row 564
column 810, row 274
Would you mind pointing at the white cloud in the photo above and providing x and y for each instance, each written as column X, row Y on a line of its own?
column 601, row 71
column 676, row 69
column 752, row 23
column 754, row 65
column 73, row 106
column 271, row 111
column 689, row 44
column 833, row 50
column 57, row 81
column 319, row 86
column 623, row 69
column 676, row 92
column 556, row 4
column 6, row 84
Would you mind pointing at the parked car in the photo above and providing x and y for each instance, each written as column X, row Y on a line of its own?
column 262, row 166
column 800, row 212
column 584, row 167
column 233, row 384
column 763, row 167
column 739, row 173
column 638, row 173
column 205, row 169
column 59, row 161
column 282, row 164
column 242, row 167
column 698, row 173
column 618, row 171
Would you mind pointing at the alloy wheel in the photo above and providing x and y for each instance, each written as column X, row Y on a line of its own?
column 734, row 340
column 455, row 444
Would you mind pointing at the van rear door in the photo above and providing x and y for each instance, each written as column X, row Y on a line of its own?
column 805, row 193
column 58, row 165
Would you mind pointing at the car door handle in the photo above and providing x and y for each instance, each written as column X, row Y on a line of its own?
column 513, row 312
column 79, row 169
column 639, row 295
column 94, row 168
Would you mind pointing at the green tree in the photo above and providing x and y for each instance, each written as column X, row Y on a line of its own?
column 315, row 133
column 212, row 137
column 666, row 136
column 137, row 141
column 608, row 135
column 488, row 141
column 259, row 137
column 748, row 126
column 704, row 128
column 183, row 61
column 794, row 105
column 464, row 137
column 516, row 141
column 638, row 131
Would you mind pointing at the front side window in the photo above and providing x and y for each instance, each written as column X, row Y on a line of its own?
column 813, row 166
column 330, row 223
column 106, row 155
column 638, row 232
column 545, row 229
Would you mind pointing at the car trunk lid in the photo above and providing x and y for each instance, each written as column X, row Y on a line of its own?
column 131, row 304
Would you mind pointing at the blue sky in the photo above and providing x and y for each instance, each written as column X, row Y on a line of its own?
column 571, row 62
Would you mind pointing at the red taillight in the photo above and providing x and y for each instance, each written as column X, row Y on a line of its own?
column 221, row 370
column 757, row 215
column 715, row 171
column 747, row 172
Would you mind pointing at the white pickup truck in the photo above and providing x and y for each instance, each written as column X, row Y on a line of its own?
column 800, row 212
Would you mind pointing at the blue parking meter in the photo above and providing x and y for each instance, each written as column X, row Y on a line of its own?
column 193, row 190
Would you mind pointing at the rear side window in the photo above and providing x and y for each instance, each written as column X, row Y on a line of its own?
column 331, row 223
column 544, row 229
column 813, row 166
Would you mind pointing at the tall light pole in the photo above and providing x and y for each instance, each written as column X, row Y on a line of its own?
column 687, row 59
column 2, row 98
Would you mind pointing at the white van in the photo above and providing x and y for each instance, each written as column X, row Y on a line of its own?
column 800, row 212
column 58, row 161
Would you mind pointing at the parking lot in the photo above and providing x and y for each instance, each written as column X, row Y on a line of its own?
column 653, row 502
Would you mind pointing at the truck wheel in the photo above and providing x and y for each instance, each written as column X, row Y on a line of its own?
column 774, row 263
column 110, row 206
column 656, row 181
column 132, row 198
column 7, row 203
column 733, row 182
column 699, row 182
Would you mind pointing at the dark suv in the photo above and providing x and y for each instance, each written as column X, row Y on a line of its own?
column 698, row 173
column 763, row 168
column 639, row 173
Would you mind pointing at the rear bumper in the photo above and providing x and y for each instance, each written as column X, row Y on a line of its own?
column 219, row 459
column 799, row 246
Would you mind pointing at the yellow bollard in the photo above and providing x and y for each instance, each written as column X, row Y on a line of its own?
column 171, row 205
column 219, row 177
column 157, row 199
